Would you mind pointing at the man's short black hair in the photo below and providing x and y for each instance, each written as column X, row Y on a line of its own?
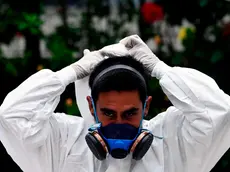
column 119, row 79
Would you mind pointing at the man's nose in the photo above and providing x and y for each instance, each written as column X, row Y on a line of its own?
column 119, row 120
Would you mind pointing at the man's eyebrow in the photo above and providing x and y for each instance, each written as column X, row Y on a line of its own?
column 107, row 110
column 130, row 110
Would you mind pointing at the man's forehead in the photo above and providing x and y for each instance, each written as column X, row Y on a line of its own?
column 119, row 101
column 119, row 96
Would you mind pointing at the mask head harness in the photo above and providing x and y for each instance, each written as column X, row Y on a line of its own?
column 119, row 147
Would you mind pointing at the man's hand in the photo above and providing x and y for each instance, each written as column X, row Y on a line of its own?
column 140, row 51
column 87, row 63
column 114, row 50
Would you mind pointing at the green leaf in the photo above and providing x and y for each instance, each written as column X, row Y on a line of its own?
column 34, row 31
column 72, row 110
column 177, row 59
column 154, row 84
column 217, row 56
column 27, row 54
column 22, row 26
column 188, row 41
column 10, row 68
column 203, row 3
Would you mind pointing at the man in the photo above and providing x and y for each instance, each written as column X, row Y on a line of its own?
column 190, row 136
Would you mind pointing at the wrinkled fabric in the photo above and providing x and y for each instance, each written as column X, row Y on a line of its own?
column 195, row 131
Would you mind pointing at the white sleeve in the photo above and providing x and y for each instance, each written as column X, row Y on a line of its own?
column 201, row 116
column 29, row 128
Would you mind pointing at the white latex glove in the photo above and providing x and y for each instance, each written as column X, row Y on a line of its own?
column 140, row 51
column 87, row 63
column 116, row 50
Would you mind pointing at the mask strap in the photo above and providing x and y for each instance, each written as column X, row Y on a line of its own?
column 95, row 112
column 143, row 113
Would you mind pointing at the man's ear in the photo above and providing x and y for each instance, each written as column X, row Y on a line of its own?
column 90, row 103
column 147, row 106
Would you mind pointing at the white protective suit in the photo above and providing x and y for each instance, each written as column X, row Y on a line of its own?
column 195, row 131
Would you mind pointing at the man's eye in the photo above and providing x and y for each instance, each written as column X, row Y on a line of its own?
column 130, row 114
column 108, row 114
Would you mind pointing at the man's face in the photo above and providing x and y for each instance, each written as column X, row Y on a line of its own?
column 119, row 107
